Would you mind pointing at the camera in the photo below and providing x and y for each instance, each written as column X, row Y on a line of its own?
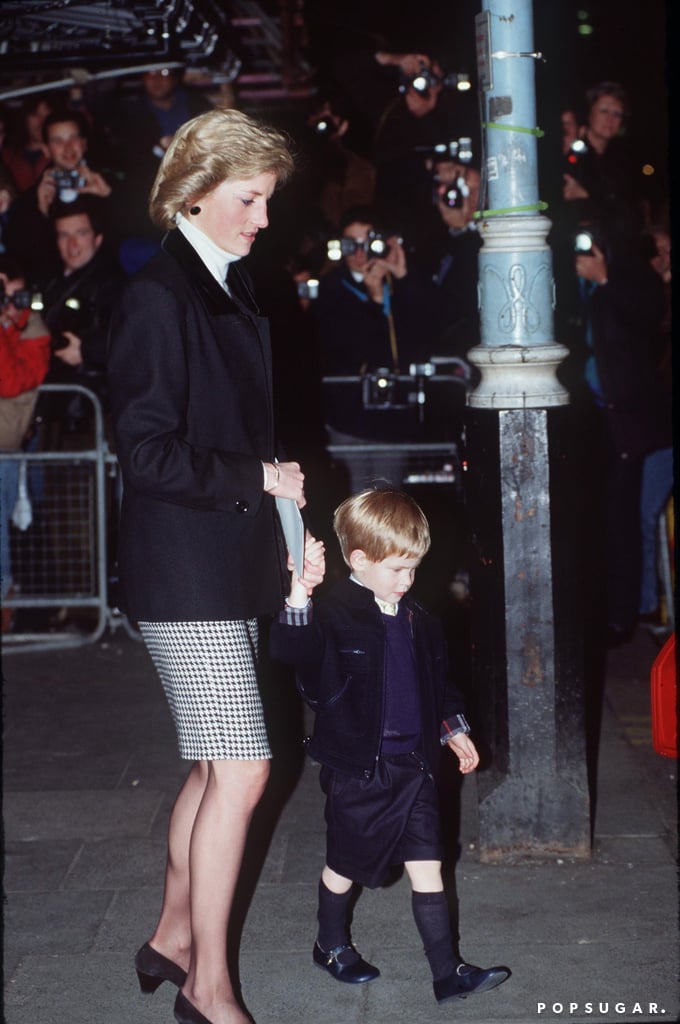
column 583, row 243
column 577, row 152
column 421, row 82
column 375, row 245
column 67, row 183
column 452, row 195
column 385, row 389
column 323, row 126
column 457, row 150
column 70, row 317
column 425, row 79
column 578, row 163
column 24, row 298
column 308, row 289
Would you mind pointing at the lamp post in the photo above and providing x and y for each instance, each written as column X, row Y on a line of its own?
column 528, row 672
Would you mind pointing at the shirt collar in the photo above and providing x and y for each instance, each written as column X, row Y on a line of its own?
column 386, row 607
column 216, row 260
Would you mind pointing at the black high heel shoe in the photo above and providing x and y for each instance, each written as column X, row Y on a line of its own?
column 153, row 969
column 186, row 1012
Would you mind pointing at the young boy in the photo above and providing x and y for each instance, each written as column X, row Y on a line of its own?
column 371, row 662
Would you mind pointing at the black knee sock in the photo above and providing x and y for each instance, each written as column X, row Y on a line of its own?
column 431, row 914
column 333, row 918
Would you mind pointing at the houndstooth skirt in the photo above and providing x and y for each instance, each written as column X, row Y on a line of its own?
column 208, row 672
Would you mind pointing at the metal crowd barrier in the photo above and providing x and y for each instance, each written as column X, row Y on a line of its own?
column 59, row 540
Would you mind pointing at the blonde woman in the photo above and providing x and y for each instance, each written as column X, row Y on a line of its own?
column 201, row 556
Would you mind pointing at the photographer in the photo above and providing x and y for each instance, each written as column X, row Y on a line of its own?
column 29, row 234
column 336, row 175
column 373, row 312
column 78, row 304
column 599, row 184
column 455, row 256
column 411, row 102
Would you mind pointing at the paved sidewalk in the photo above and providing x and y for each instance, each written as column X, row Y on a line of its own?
column 89, row 776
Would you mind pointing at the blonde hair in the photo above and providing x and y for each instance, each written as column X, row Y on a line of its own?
column 209, row 149
column 381, row 522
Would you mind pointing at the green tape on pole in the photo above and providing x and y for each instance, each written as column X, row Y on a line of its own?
column 513, row 128
column 480, row 214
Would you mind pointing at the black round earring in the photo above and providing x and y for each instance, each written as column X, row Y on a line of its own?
column 195, row 210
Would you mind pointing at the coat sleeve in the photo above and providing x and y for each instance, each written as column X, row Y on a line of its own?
column 297, row 640
column 149, row 373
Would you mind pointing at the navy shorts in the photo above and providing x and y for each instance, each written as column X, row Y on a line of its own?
column 374, row 824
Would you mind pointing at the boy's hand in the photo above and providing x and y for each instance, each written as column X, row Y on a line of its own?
column 313, row 572
column 465, row 751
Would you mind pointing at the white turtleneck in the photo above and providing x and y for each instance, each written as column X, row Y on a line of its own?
column 216, row 260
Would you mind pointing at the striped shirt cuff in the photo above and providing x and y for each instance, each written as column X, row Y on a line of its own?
column 452, row 727
column 289, row 616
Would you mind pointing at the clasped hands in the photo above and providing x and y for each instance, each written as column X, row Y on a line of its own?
column 313, row 572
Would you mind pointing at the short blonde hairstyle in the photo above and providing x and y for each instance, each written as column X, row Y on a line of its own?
column 209, row 149
column 381, row 522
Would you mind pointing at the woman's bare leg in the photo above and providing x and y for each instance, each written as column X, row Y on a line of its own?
column 233, row 790
column 172, row 936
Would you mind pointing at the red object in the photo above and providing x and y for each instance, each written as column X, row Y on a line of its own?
column 24, row 354
column 664, row 694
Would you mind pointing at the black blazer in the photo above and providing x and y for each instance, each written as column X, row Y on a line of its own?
column 339, row 658
column 189, row 372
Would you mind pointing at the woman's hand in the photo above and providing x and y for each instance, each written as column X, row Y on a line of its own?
column 286, row 480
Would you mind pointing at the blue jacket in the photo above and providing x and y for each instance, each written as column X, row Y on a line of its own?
column 339, row 657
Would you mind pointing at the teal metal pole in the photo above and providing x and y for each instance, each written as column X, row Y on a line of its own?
column 523, row 466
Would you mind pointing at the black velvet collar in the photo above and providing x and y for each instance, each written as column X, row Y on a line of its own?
column 216, row 300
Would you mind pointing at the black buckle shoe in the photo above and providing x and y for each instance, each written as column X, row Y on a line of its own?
column 344, row 964
column 468, row 979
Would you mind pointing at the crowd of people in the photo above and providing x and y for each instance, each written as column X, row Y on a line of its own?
column 370, row 266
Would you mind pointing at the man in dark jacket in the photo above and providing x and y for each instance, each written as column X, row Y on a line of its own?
column 78, row 304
